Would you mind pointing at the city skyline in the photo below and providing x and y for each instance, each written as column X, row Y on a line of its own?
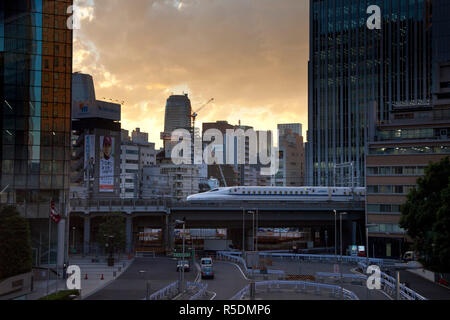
column 252, row 62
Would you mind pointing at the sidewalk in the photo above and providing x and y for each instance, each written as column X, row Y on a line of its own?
column 91, row 277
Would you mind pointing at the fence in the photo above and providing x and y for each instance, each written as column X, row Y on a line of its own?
column 145, row 254
column 389, row 285
column 166, row 293
column 299, row 286
column 200, row 287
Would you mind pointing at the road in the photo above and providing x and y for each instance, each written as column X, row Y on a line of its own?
column 131, row 285
column 426, row 288
column 228, row 280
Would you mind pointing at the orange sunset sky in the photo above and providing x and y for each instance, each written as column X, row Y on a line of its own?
column 249, row 55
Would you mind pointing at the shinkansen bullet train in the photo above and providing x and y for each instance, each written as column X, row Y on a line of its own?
column 280, row 194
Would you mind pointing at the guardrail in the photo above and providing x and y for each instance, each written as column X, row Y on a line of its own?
column 343, row 275
column 389, row 285
column 145, row 254
column 299, row 286
column 201, row 289
column 237, row 259
column 168, row 292
column 318, row 257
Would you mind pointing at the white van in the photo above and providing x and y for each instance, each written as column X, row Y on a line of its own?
column 206, row 262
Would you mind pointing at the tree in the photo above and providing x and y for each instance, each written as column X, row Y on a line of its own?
column 112, row 226
column 16, row 255
column 426, row 216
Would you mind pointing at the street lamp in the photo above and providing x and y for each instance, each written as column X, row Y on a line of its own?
column 335, row 233
column 253, row 226
column 243, row 232
column 183, row 222
column 367, row 250
column 340, row 267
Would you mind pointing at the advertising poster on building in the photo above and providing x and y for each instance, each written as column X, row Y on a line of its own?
column 89, row 157
column 106, row 164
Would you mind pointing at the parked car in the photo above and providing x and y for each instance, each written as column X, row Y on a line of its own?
column 183, row 264
column 207, row 272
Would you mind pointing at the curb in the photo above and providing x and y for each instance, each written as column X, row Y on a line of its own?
column 104, row 284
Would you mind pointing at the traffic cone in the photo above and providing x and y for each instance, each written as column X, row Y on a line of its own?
column 85, row 277
column 102, row 278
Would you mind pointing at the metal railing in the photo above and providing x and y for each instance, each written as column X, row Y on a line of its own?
column 168, row 292
column 322, row 275
column 317, row 257
column 389, row 285
column 170, row 203
column 201, row 287
column 298, row 286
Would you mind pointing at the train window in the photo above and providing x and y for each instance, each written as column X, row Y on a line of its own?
column 264, row 192
column 243, row 192
column 270, row 192
column 296, row 192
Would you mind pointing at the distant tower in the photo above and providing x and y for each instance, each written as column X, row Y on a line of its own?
column 178, row 116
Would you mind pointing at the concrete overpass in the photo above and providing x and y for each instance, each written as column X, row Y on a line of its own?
column 159, row 214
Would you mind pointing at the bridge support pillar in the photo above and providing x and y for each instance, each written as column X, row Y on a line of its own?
column 353, row 232
column 129, row 233
column 166, row 238
column 87, row 235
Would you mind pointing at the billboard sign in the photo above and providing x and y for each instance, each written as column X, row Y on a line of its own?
column 89, row 157
column 106, row 164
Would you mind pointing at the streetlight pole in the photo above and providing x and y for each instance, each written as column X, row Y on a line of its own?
column 73, row 240
column 182, row 272
column 182, row 264
column 243, row 232
column 257, row 225
column 335, row 233
column 340, row 267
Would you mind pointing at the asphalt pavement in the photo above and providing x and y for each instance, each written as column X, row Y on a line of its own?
column 131, row 285
column 228, row 280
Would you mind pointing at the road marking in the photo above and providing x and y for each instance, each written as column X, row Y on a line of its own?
column 237, row 266
column 214, row 295
column 4, row 189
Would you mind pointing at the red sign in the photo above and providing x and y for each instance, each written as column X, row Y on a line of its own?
column 54, row 215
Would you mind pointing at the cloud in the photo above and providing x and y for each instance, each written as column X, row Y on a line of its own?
column 250, row 55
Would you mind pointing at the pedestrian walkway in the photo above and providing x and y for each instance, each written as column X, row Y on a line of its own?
column 94, row 277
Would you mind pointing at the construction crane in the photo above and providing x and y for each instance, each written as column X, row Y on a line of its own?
column 195, row 114
column 194, row 117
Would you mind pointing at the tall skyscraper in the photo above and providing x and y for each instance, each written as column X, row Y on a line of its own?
column 352, row 67
column 35, row 94
column 177, row 116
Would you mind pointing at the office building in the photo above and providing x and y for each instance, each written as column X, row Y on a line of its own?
column 136, row 153
column 352, row 66
column 96, row 143
column 177, row 116
column 291, row 171
column 35, row 94
column 399, row 151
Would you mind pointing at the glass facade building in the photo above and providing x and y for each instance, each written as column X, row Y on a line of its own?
column 35, row 98
column 352, row 67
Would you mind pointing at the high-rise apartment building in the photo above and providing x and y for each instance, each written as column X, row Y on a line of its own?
column 35, row 94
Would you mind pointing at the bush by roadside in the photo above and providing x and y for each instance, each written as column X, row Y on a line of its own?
column 62, row 295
